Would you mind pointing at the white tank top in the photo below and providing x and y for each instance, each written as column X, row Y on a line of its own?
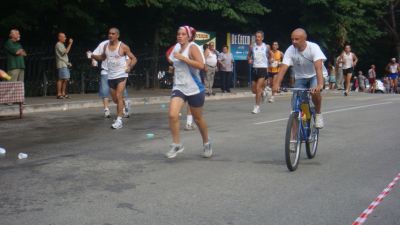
column 116, row 63
column 260, row 59
column 186, row 78
column 211, row 59
column 393, row 68
column 347, row 60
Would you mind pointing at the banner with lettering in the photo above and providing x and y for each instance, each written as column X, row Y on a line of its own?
column 239, row 44
column 205, row 37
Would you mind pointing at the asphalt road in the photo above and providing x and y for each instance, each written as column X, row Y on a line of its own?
column 80, row 172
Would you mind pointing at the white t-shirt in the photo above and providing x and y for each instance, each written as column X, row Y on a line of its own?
column 260, row 55
column 211, row 59
column 303, row 62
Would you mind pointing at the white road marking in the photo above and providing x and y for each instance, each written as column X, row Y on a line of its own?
column 328, row 112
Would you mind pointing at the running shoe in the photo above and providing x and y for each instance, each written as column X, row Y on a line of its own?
column 271, row 99
column 207, row 150
column 127, row 108
column 256, row 109
column 264, row 95
column 319, row 121
column 107, row 113
column 175, row 149
column 190, row 126
column 117, row 124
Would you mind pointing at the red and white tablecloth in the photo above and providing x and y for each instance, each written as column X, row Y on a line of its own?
column 12, row 92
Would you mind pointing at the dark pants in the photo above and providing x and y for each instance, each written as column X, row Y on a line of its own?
column 226, row 80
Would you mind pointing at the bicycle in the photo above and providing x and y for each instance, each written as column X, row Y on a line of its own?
column 300, row 128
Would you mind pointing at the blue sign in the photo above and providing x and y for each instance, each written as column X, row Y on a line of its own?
column 239, row 45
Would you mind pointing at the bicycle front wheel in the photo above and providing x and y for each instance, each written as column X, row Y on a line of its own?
column 312, row 140
column 292, row 142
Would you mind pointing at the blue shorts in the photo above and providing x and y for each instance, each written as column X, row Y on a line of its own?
column 393, row 76
column 196, row 100
column 63, row 73
column 306, row 82
column 104, row 88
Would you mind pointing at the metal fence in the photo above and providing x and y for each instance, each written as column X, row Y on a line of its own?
column 41, row 73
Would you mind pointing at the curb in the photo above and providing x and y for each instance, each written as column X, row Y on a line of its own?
column 51, row 107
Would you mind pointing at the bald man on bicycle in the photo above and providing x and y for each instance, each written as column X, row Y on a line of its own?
column 307, row 60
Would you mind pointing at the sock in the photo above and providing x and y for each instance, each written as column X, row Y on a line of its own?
column 189, row 119
column 106, row 109
column 119, row 118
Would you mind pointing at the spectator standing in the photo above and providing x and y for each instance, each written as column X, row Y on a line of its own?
column 339, row 74
column 332, row 76
column 372, row 79
column 15, row 56
column 211, row 64
column 226, row 61
column 62, row 64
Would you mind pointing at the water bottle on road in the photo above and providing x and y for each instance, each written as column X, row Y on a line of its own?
column 22, row 155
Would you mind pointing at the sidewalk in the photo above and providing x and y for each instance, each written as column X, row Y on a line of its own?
column 78, row 101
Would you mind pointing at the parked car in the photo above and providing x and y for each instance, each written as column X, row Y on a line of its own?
column 380, row 87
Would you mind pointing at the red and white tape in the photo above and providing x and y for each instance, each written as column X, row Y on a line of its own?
column 363, row 217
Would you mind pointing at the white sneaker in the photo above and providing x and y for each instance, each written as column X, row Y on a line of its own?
column 271, row 99
column 207, row 150
column 175, row 149
column 319, row 121
column 190, row 126
column 127, row 108
column 264, row 95
column 117, row 124
column 256, row 109
column 107, row 113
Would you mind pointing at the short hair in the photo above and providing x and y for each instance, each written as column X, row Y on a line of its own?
column 260, row 32
column 115, row 29
column 13, row 30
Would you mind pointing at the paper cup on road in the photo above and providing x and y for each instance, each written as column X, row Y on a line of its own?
column 2, row 151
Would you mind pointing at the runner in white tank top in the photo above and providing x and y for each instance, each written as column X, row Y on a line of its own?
column 393, row 69
column 258, row 56
column 188, row 60
column 349, row 61
column 115, row 53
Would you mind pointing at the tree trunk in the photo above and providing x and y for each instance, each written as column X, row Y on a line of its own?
column 398, row 49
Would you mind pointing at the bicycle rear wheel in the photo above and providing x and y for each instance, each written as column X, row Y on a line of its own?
column 292, row 142
column 312, row 140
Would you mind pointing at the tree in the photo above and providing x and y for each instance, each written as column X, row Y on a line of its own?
column 166, row 12
column 390, row 22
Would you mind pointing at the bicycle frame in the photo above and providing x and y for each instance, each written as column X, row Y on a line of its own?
column 299, row 97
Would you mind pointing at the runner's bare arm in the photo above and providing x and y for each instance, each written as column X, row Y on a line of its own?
column 355, row 60
column 279, row 77
column 249, row 55
column 195, row 59
column 131, row 56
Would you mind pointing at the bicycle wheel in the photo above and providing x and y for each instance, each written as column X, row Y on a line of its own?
column 312, row 140
column 292, row 142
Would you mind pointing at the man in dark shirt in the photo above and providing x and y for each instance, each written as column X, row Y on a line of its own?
column 15, row 56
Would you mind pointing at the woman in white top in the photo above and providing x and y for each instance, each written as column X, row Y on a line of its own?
column 187, row 60
column 349, row 61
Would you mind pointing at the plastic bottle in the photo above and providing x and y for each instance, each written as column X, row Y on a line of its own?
column 305, row 110
column 22, row 155
column 2, row 151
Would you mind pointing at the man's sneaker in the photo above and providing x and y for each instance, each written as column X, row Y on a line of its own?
column 264, row 95
column 319, row 121
column 271, row 99
column 117, row 124
column 127, row 108
column 256, row 109
column 107, row 113
column 207, row 150
column 175, row 149
column 190, row 126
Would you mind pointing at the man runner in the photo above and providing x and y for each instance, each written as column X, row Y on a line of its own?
column 273, row 69
column 306, row 59
column 115, row 53
column 349, row 60
column 258, row 56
